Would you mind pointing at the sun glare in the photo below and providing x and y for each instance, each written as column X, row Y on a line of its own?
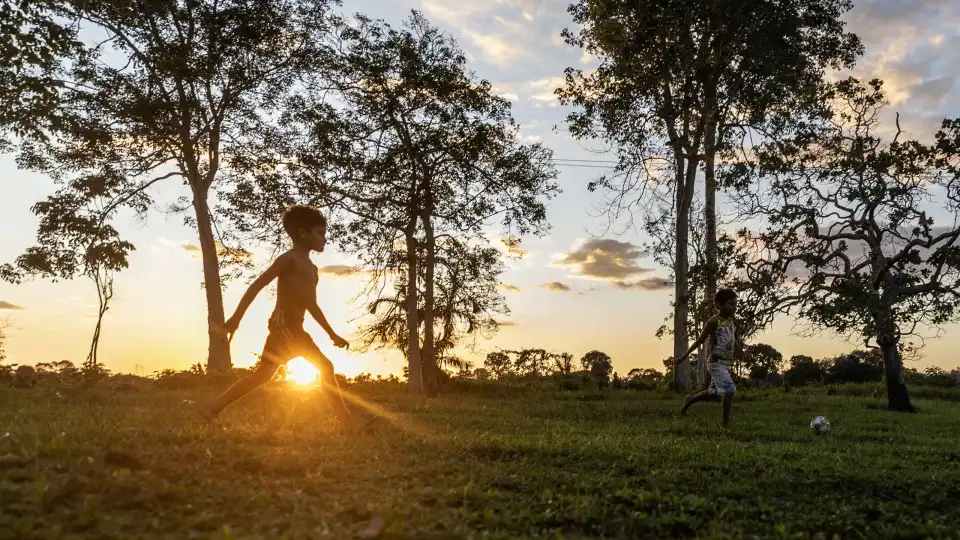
column 301, row 372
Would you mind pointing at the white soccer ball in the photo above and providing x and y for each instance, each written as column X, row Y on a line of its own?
column 820, row 426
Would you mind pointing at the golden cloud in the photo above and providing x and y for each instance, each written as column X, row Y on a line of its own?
column 605, row 259
column 345, row 270
column 339, row 270
column 648, row 284
column 512, row 246
column 556, row 286
column 196, row 252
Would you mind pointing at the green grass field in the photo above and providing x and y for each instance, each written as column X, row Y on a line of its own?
column 536, row 464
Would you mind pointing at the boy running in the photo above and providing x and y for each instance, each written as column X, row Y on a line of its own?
column 297, row 279
column 721, row 332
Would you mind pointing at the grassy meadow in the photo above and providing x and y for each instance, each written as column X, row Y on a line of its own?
column 479, row 462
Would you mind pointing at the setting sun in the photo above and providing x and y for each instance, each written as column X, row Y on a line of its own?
column 301, row 372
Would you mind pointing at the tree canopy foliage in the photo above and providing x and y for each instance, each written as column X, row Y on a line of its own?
column 851, row 243
column 153, row 93
column 680, row 82
column 415, row 157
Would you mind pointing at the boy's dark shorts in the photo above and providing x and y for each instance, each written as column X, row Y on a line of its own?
column 285, row 343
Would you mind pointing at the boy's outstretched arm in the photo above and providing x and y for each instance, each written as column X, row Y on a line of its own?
column 708, row 329
column 278, row 267
column 321, row 319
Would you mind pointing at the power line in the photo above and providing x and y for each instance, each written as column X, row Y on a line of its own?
column 586, row 160
column 578, row 166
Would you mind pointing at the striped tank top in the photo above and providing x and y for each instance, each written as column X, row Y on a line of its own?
column 723, row 341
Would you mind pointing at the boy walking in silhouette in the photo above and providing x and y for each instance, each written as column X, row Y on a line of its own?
column 297, row 279
column 722, row 333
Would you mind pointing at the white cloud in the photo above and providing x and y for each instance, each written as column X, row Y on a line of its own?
column 542, row 90
column 496, row 49
column 449, row 12
column 914, row 47
column 165, row 242
column 538, row 91
column 506, row 91
column 513, row 35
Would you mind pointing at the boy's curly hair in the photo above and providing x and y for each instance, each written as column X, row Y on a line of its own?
column 724, row 295
column 301, row 217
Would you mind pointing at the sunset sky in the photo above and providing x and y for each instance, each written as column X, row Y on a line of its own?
column 563, row 293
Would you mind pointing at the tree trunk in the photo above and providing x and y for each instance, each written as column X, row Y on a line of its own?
column 414, row 363
column 710, row 222
column 897, row 397
column 104, row 294
column 92, row 362
column 685, row 184
column 218, row 353
column 431, row 375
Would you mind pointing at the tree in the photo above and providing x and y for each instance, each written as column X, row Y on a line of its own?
column 849, row 243
column 173, row 91
column 499, row 364
column 466, row 296
column 33, row 42
column 562, row 363
column 75, row 238
column 418, row 156
column 755, row 309
column 102, row 276
column 643, row 379
column 534, row 362
column 764, row 360
column 677, row 82
column 463, row 367
column 646, row 373
column 856, row 367
column 803, row 370
column 466, row 281
column 598, row 364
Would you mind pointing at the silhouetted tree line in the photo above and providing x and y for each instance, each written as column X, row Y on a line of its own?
column 535, row 363
column 765, row 367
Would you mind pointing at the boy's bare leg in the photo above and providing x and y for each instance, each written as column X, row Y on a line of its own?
column 264, row 373
column 331, row 391
column 693, row 398
column 351, row 421
column 709, row 381
column 330, row 387
column 726, row 401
